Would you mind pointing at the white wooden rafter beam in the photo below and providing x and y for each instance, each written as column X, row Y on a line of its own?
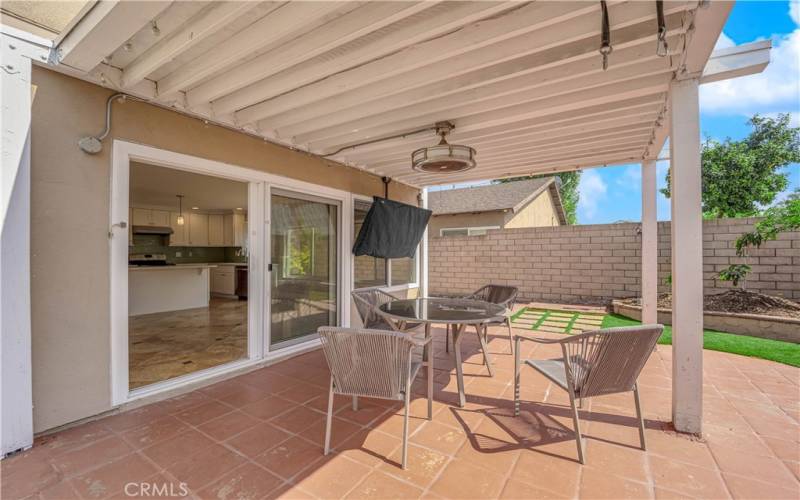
column 277, row 26
column 568, row 63
column 306, row 74
column 487, row 159
column 733, row 62
column 206, row 23
column 534, row 142
column 525, row 168
column 351, row 26
column 527, row 30
column 486, row 99
column 106, row 26
column 572, row 122
column 478, row 116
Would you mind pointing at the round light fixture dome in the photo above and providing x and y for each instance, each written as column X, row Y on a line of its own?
column 444, row 157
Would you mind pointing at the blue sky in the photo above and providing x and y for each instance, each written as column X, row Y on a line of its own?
column 613, row 193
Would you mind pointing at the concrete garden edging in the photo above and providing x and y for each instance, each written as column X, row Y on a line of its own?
column 753, row 325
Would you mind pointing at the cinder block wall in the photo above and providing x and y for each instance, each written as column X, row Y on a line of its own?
column 599, row 262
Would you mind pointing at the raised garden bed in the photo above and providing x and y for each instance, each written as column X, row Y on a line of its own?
column 766, row 317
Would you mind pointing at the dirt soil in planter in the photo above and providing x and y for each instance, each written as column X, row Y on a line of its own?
column 737, row 301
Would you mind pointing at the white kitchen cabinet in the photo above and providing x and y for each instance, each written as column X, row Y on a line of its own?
column 215, row 230
column 227, row 231
column 198, row 230
column 159, row 218
column 141, row 216
column 148, row 217
column 239, row 230
column 178, row 238
column 223, row 280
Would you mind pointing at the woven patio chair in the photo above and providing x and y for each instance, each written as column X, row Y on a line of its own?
column 496, row 294
column 595, row 363
column 368, row 304
column 375, row 364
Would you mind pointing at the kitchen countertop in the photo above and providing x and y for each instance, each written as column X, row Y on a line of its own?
column 171, row 268
column 199, row 265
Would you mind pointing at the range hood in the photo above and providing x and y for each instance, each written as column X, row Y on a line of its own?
column 160, row 230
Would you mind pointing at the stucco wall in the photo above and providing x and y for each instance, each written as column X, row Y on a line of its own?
column 539, row 212
column 600, row 262
column 69, row 222
column 482, row 219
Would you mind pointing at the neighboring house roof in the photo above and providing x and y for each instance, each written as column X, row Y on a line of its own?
column 504, row 196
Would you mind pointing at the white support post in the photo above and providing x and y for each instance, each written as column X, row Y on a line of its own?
column 16, row 397
column 687, row 257
column 649, row 244
column 423, row 250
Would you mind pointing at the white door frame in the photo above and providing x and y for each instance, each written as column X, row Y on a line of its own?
column 342, row 201
column 260, row 187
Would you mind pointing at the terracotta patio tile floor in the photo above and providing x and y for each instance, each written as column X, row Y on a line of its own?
column 253, row 437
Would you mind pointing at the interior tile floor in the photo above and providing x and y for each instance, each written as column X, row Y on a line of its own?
column 260, row 435
column 165, row 345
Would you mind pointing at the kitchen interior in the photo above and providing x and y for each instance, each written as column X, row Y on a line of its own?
column 187, row 273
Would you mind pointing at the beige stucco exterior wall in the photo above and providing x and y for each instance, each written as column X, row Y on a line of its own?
column 70, row 219
column 482, row 219
column 538, row 213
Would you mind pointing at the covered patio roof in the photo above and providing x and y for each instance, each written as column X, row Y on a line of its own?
column 364, row 83
column 522, row 82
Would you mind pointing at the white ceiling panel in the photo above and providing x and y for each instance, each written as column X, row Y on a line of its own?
column 363, row 83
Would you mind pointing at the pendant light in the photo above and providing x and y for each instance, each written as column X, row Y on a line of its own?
column 180, row 220
column 444, row 158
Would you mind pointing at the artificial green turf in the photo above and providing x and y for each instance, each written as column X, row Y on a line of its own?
column 773, row 350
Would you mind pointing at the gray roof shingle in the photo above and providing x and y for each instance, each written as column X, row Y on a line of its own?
column 505, row 196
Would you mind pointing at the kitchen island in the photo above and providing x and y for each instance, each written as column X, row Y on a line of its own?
column 154, row 289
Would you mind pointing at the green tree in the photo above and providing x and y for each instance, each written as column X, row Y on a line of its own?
column 783, row 216
column 740, row 177
column 568, row 189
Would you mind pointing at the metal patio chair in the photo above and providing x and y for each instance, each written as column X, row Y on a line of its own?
column 496, row 294
column 368, row 304
column 595, row 363
column 375, row 364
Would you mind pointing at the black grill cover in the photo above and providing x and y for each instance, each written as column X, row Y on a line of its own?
column 391, row 230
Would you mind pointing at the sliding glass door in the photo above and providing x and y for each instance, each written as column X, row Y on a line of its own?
column 304, row 280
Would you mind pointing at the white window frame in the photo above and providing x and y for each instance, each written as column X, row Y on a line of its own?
column 259, row 196
column 386, row 286
column 468, row 229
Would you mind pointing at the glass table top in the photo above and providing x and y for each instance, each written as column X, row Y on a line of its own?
column 442, row 310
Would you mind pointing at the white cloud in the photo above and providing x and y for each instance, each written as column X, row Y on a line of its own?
column 631, row 178
column 776, row 89
column 592, row 189
column 723, row 42
column 794, row 117
column 794, row 11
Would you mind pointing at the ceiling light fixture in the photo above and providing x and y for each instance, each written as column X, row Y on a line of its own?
column 195, row 208
column 179, row 219
column 444, row 158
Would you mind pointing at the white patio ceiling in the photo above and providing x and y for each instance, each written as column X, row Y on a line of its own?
column 522, row 82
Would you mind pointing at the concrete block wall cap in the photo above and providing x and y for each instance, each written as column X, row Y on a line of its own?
column 759, row 317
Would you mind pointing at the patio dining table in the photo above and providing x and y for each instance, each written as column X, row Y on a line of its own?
column 456, row 312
